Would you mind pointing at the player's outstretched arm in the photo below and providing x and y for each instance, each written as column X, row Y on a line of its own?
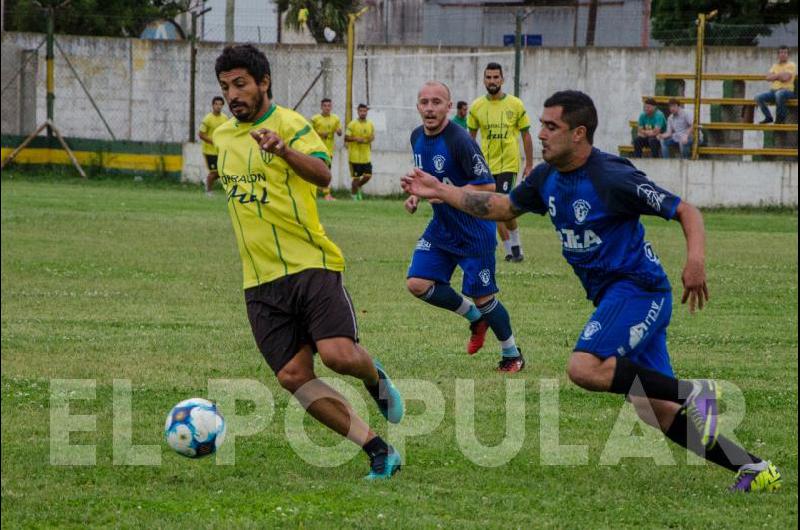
column 483, row 204
column 309, row 168
column 695, row 289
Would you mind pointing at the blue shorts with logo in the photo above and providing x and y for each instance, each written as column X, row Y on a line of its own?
column 432, row 263
column 630, row 322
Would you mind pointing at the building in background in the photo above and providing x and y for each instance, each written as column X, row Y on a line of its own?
column 551, row 23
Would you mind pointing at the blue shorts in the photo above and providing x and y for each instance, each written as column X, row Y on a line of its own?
column 432, row 263
column 630, row 322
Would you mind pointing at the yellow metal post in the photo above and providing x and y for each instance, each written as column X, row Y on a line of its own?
column 702, row 18
column 351, row 49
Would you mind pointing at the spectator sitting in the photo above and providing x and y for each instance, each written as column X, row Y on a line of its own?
column 679, row 131
column 651, row 124
column 782, row 74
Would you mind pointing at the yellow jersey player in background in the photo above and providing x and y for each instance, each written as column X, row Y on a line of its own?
column 210, row 122
column 271, row 163
column 500, row 118
column 359, row 136
column 327, row 125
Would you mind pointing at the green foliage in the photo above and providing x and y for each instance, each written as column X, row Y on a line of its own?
column 110, row 18
column 321, row 14
column 738, row 23
column 105, row 280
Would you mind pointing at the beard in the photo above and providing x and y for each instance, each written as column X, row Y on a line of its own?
column 249, row 114
column 493, row 89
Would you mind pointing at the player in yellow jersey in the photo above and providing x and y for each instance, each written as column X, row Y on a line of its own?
column 271, row 163
column 327, row 125
column 500, row 117
column 210, row 122
column 359, row 136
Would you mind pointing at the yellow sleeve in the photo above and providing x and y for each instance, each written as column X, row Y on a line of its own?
column 472, row 120
column 372, row 130
column 337, row 124
column 299, row 135
column 204, row 125
column 524, row 121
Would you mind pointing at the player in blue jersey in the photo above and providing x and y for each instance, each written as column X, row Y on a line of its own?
column 595, row 199
column 454, row 238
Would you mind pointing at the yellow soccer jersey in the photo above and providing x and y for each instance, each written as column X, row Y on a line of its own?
column 328, row 125
column 783, row 68
column 359, row 153
column 274, row 211
column 500, row 122
column 208, row 126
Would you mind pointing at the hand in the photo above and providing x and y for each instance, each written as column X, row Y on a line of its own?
column 417, row 182
column 269, row 141
column 683, row 139
column 695, row 289
column 411, row 203
column 323, row 135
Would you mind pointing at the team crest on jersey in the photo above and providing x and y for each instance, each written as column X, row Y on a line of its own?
column 266, row 157
column 479, row 165
column 438, row 163
column 653, row 197
column 486, row 276
column 581, row 209
column 592, row 327
column 510, row 114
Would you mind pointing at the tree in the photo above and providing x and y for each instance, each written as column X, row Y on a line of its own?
column 320, row 14
column 111, row 18
column 738, row 23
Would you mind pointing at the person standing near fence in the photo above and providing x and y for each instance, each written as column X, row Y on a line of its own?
column 359, row 136
column 501, row 117
column 782, row 75
column 328, row 126
column 210, row 122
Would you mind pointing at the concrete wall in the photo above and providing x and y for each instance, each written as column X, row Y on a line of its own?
column 701, row 182
column 142, row 86
column 142, row 89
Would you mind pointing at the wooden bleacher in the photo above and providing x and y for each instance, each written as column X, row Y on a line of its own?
column 733, row 126
column 742, row 102
column 724, row 126
column 627, row 150
column 714, row 77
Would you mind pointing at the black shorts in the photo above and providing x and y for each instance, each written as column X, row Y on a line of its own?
column 359, row 170
column 211, row 162
column 299, row 310
column 503, row 182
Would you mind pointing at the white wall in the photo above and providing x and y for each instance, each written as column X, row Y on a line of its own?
column 701, row 182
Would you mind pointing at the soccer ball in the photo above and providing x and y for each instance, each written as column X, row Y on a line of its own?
column 194, row 428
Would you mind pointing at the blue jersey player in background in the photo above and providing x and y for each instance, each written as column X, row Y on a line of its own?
column 454, row 238
column 594, row 200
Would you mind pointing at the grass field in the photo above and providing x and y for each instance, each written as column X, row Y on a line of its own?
column 112, row 280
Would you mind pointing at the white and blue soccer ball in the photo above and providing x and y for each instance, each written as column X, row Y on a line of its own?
column 195, row 428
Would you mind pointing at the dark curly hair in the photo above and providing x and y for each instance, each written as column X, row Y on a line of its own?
column 248, row 57
column 577, row 109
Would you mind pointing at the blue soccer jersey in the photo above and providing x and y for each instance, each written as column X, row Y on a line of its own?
column 453, row 157
column 595, row 210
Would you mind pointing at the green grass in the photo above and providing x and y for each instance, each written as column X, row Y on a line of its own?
column 109, row 281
